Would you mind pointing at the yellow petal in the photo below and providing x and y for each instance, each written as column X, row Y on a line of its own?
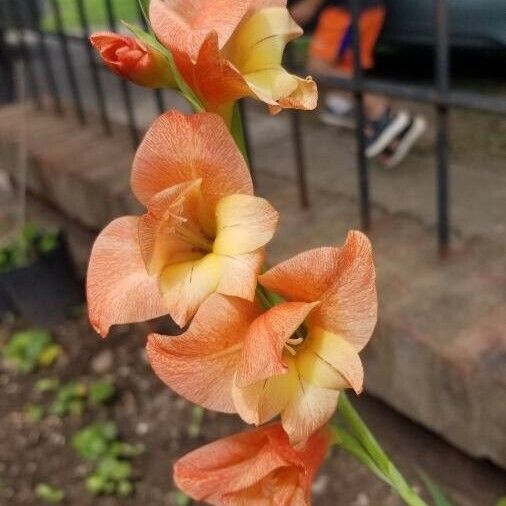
column 272, row 84
column 186, row 285
column 330, row 361
column 259, row 42
column 262, row 401
column 243, row 224
column 310, row 408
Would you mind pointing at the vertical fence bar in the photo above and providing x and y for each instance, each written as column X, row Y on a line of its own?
column 363, row 176
column 7, row 93
column 158, row 95
column 125, row 90
column 443, row 85
column 300, row 163
column 36, row 20
column 95, row 74
column 247, row 138
column 67, row 60
column 298, row 142
column 25, row 53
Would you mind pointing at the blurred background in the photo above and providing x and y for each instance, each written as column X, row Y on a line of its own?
column 85, row 421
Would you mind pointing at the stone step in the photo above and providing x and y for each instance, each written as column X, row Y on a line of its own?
column 439, row 353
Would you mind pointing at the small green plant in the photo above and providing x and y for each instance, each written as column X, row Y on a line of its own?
column 28, row 247
column 113, row 473
column 29, row 349
column 101, row 392
column 49, row 494
column 44, row 385
column 34, row 412
column 70, row 400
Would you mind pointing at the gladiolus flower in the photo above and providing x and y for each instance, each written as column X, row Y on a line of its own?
column 203, row 231
column 252, row 468
column 132, row 59
column 293, row 359
column 227, row 49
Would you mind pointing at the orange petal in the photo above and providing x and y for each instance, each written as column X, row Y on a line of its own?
column 179, row 148
column 119, row 289
column 244, row 223
column 239, row 274
column 349, row 307
column 213, row 77
column 243, row 468
column 305, row 277
column 329, row 361
column 265, row 341
column 229, row 465
column 182, row 26
column 256, row 5
column 200, row 364
column 304, row 97
column 186, row 285
column 310, row 408
column 159, row 243
column 260, row 402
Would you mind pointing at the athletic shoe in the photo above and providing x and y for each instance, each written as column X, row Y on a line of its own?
column 338, row 112
column 381, row 133
column 402, row 144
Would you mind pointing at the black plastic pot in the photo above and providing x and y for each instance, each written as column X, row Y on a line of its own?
column 45, row 292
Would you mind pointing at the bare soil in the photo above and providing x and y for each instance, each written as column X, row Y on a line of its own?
column 147, row 412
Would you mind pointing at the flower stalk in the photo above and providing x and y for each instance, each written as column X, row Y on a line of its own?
column 362, row 444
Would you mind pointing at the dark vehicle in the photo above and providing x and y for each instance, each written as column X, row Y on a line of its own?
column 473, row 23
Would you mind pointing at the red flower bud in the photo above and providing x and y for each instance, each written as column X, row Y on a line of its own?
column 132, row 59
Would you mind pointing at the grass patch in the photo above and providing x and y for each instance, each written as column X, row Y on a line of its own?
column 125, row 10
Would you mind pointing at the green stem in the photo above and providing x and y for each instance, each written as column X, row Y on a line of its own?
column 364, row 446
column 237, row 131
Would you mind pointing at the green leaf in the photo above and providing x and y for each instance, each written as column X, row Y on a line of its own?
column 501, row 502
column 70, row 399
column 435, row 491
column 24, row 350
column 351, row 445
column 94, row 441
column 44, row 385
column 196, row 423
column 49, row 494
column 101, row 392
column 34, row 412
column 179, row 499
column 49, row 355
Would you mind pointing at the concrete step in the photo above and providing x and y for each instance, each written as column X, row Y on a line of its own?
column 439, row 354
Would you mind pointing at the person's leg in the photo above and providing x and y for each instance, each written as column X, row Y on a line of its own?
column 336, row 107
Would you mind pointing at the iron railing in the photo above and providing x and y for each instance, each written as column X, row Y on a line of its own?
column 31, row 42
column 440, row 95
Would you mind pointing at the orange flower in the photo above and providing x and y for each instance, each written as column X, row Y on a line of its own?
column 203, row 231
column 234, row 358
column 227, row 49
column 132, row 59
column 252, row 468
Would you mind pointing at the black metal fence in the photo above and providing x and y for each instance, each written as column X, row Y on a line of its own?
column 23, row 34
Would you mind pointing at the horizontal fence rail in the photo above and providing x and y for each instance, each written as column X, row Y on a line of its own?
column 440, row 95
column 24, row 33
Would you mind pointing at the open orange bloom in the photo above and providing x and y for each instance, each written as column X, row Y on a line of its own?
column 203, row 231
column 132, row 59
column 235, row 358
column 258, row 467
column 228, row 49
